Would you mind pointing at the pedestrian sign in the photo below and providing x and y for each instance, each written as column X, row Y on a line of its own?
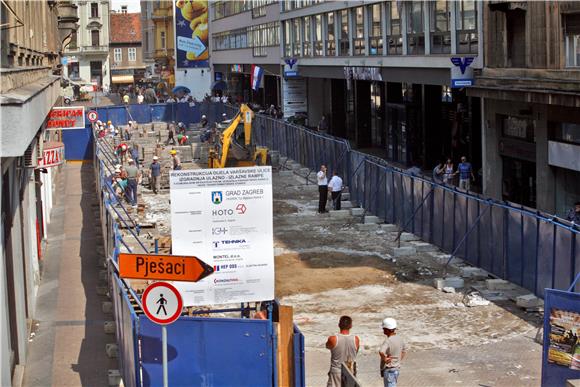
column 163, row 267
column 162, row 303
column 93, row 116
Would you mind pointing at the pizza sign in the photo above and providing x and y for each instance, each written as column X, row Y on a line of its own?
column 52, row 155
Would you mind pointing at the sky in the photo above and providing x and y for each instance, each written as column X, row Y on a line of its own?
column 133, row 5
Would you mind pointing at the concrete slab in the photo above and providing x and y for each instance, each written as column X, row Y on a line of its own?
column 340, row 214
column 423, row 247
column 367, row 226
column 404, row 251
column 357, row 211
column 371, row 219
column 389, row 227
column 499, row 284
column 529, row 301
column 453, row 282
column 408, row 237
column 473, row 272
column 286, row 173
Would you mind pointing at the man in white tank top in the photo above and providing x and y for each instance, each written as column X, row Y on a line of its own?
column 343, row 349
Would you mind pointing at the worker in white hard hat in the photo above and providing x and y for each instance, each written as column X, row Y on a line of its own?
column 392, row 352
column 343, row 349
column 203, row 121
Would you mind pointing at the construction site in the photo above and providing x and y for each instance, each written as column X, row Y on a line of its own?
column 463, row 325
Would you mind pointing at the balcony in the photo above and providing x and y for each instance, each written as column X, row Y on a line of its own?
column 87, row 50
column 545, row 86
column 161, row 14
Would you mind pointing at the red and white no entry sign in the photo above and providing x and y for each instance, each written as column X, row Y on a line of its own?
column 162, row 303
column 93, row 115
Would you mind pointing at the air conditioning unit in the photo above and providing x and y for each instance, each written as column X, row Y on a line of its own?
column 31, row 155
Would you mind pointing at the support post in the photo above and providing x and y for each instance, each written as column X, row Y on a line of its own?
column 164, row 354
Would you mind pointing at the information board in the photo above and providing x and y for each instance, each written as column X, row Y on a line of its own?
column 224, row 217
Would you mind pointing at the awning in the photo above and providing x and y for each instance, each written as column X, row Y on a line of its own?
column 219, row 85
column 122, row 79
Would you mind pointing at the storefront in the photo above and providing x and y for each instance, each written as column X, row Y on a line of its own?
column 237, row 78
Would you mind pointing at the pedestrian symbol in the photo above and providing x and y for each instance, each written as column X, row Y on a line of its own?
column 162, row 303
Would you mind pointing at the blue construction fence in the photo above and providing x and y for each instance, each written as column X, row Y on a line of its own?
column 201, row 351
column 521, row 245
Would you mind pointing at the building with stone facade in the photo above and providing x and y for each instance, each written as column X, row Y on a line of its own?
column 530, row 95
column 33, row 34
column 87, row 55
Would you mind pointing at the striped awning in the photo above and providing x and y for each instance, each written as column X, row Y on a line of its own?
column 122, row 79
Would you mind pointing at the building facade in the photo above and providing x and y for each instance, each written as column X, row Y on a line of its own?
column 245, row 33
column 125, row 51
column 530, row 92
column 87, row 55
column 32, row 36
column 148, row 36
column 380, row 73
column 158, row 41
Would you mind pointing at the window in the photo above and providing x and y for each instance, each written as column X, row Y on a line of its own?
column 330, row 36
column 287, row 39
column 317, row 35
column 307, row 36
column 516, row 37
column 375, row 30
column 564, row 132
column 94, row 9
column 256, row 37
column 344, row 46
column 395, row 36
column 466, row 15
column 95, row 38
column 163, row 40
column 415, row 28
column 572, row 39
column 132, row 54
column 73, row 41
column 440, row 34
column 518, row 128
column 358, row 41
column 296, row 37
column 118, row 55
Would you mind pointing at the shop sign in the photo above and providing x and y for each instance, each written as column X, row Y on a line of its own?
column 461, row 72
column 294, row 97
column 363, row 73
column 122, row 71
column 52, row 155
column 224, row 217
column 66, row 118
column 291, row 68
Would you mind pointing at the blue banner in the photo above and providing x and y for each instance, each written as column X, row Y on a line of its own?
column 191, row 34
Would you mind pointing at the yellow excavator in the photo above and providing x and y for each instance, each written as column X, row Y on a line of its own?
column 234, row 148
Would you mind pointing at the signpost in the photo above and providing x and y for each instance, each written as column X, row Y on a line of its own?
column 93, row 116
column 163, row 267
column 162, row 303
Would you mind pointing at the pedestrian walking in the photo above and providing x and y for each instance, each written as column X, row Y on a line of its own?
column 335, row 186
column 155, row 179
column 140, row 98
column 134, row 149
column 133, row 175
column 126, row 99
column 438, row 172
column 323, row 124
column 322, row 189
column 343, row 349
column 392, row 353
column 176, row 160
column 574, row 214
column 465, row 172
column 448, row 172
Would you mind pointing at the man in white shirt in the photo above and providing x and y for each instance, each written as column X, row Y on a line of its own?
column 322, row 189
column 335, row 186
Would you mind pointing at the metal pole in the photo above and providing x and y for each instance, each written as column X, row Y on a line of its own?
column 164, row 354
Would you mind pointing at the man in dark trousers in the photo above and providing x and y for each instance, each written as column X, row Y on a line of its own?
column 335, row 185
column 322, row 189
column 343, row 349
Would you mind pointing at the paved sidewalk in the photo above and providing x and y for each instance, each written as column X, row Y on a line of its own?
column 68, row 348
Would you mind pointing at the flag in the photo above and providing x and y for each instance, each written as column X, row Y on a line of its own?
column 256, row 76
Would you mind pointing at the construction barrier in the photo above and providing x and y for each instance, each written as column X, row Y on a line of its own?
column 522, row 245
column 201, row 351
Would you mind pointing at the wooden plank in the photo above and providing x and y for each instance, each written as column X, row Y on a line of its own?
column 285, row 329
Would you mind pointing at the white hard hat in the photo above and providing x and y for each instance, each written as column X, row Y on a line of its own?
column 118, row 166
column 389, row 323
column 203, row 116
column 130, row 161
column 117, row 170
column 155, row 158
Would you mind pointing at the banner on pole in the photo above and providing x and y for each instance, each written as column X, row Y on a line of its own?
column 224, row 217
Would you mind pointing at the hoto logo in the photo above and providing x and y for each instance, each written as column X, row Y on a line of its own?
column 216, row 197
column 241, row 208
column 462, row 63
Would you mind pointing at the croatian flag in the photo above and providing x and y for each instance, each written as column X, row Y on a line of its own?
column 256, row 76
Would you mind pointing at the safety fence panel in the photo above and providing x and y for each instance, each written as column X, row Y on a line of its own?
column 208, row 352
column 125, row 319
column 473, row 242
column 78, row 144
column 299, row 358
column 140, row 113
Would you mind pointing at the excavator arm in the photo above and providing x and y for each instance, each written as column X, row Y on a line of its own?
column 245, row 115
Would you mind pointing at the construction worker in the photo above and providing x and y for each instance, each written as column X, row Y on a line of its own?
column 182, row 139
column 155, row 180
column 181, row 128
column 121, row 151
column 176, row 160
